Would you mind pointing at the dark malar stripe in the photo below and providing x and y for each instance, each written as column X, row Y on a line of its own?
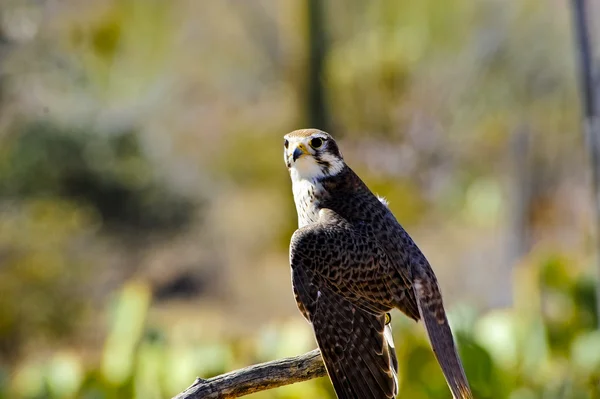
column 323, row 164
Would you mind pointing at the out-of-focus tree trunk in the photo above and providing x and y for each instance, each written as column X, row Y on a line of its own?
column 3, row 50
column 591, row 113
column 522, row 181
column 527, row 189
column 318, row 113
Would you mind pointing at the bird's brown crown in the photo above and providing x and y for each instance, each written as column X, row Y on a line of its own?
column 303, row 133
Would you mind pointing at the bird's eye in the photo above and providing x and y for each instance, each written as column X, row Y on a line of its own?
column 317, row 142
column 286, row 144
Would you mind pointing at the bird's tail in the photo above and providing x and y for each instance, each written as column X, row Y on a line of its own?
column 431, row 308
column 389, row 341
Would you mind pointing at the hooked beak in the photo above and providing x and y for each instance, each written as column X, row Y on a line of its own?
column 298, row 152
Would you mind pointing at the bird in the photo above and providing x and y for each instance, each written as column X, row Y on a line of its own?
column 352, row 263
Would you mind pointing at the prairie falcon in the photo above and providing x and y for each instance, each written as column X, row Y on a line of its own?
column 352, row 263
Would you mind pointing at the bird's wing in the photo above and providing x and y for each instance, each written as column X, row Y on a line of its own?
column 427, row 298
column 353, row 264
column 359, row 359
column 340, row 286
column 431, row 309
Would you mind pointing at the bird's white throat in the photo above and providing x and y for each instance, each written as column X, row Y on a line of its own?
column 305, row 167
column 306, row 196
column 306, row 175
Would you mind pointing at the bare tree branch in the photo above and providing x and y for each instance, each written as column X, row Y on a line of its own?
column 259, row 377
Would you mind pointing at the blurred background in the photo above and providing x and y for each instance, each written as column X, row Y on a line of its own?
column 145, row 209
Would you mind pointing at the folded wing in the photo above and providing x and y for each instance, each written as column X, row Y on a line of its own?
column 358, row 356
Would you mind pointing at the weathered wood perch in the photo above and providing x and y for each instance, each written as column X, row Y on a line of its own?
column 258, row 377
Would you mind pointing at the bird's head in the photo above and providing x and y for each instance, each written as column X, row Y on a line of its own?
column 311, row 154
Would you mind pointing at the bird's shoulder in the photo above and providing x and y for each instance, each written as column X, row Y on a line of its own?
column 329, row 223
column 372, row 218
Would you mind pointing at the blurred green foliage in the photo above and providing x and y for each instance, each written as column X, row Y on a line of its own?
column 44, row 276
column 60, row 189
column 107, row 173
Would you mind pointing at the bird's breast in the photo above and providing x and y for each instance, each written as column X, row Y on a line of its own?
column 306, row 197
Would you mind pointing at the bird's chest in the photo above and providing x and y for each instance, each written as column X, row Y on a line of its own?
column 307, row 197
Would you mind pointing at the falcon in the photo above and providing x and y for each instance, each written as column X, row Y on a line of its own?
column 352, row 263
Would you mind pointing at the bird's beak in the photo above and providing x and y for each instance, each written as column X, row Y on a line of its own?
column 299, row 151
